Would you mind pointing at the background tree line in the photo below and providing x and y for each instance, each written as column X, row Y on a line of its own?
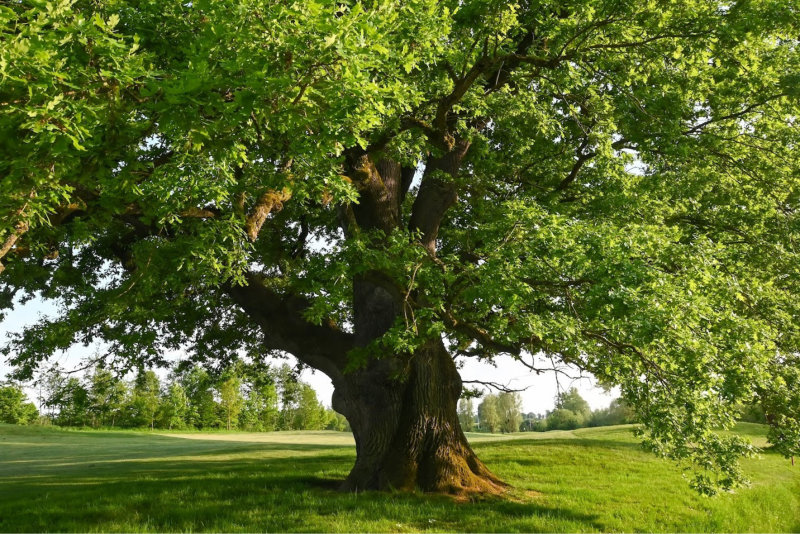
column 251, row 397
column 502, row 412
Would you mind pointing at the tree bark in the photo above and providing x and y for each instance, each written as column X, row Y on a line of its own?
column 403, row 412
column 436, row 194
column 402, row 408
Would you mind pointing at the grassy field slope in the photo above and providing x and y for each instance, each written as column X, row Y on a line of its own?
column 585, row 480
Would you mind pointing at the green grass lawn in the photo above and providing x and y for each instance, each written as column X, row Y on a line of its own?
column 585, row 480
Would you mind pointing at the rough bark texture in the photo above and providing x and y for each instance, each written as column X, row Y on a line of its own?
column 437, row 193
column 406, row 427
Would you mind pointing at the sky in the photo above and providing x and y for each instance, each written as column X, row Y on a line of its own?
column 538, row 391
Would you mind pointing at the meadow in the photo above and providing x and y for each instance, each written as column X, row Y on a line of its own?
column 584, row 480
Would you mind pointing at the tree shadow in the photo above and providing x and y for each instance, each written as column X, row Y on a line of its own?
column 282, row 496
column 63, row 456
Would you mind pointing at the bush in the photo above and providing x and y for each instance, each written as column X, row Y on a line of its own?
column 752, row 413
column 618, row 413
column 563, row 419
column 540, row 425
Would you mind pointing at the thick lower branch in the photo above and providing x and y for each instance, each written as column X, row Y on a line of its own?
column 281, row 318
column 437, row 194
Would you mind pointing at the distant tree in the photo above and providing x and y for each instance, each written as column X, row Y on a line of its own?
column 533, row 422
column 73, row 400
column 309, row 414
column 106, row 396
column 336, row 421
column 617, row 413
column 752, row 413
column 571, row 400
column 118, row 399
column 197, row 384
column 145, row 399
column 289, row 396
column 466, row 414
column 260, row 410
column 509, row 410
column 538, row 425
column 14, row 408
column 174, row 407
column 51, row 384
column 563, row 419
column 488, row 414
column 231, row 400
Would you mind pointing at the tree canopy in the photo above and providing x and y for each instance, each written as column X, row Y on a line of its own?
column 377, row 187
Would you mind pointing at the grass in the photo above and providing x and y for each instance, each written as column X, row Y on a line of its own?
column 584, row 480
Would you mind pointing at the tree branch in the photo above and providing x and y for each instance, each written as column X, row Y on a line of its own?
column 20, row 228
column 268, row 201
column 436, row 194
column 495, row 385
column 729, row 116
column 482, row 336
column 282, row 320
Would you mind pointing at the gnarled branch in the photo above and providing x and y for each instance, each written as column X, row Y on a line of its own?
column 281, row 318
column 268, row 201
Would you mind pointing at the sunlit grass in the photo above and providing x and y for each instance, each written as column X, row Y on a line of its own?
column 586, row 480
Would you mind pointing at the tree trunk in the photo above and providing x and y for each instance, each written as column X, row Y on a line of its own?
column 405, row 423
column 402, row 408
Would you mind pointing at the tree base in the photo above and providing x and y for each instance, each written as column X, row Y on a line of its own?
column 451, row 469
column 407, row 431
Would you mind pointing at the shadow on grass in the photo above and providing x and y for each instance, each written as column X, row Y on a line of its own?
column 70, row 451
column 208, row 492
column 226, row 496
column 107, row 481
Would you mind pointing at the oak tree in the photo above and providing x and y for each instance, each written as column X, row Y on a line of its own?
column 383, row 188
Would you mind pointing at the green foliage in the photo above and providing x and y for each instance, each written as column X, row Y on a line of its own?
column 618, row 413
column 198, row 386
column 488, row 414
column 73, row 402
column 13, row 406
column 781, row 404
column 231, row 401
column 241, row 397
column 144, row 402
column 466, row 414
column 563, row 419
column 107, row 397
column 309, row 414
column 572, row 401
column 628, row 204
column 509, row 407
column 501, row 412
column 174, row 407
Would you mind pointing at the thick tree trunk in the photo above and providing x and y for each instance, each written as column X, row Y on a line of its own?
column 406, row 427
column 402, row 408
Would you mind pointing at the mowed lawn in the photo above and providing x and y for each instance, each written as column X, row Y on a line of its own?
column 584, row 480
